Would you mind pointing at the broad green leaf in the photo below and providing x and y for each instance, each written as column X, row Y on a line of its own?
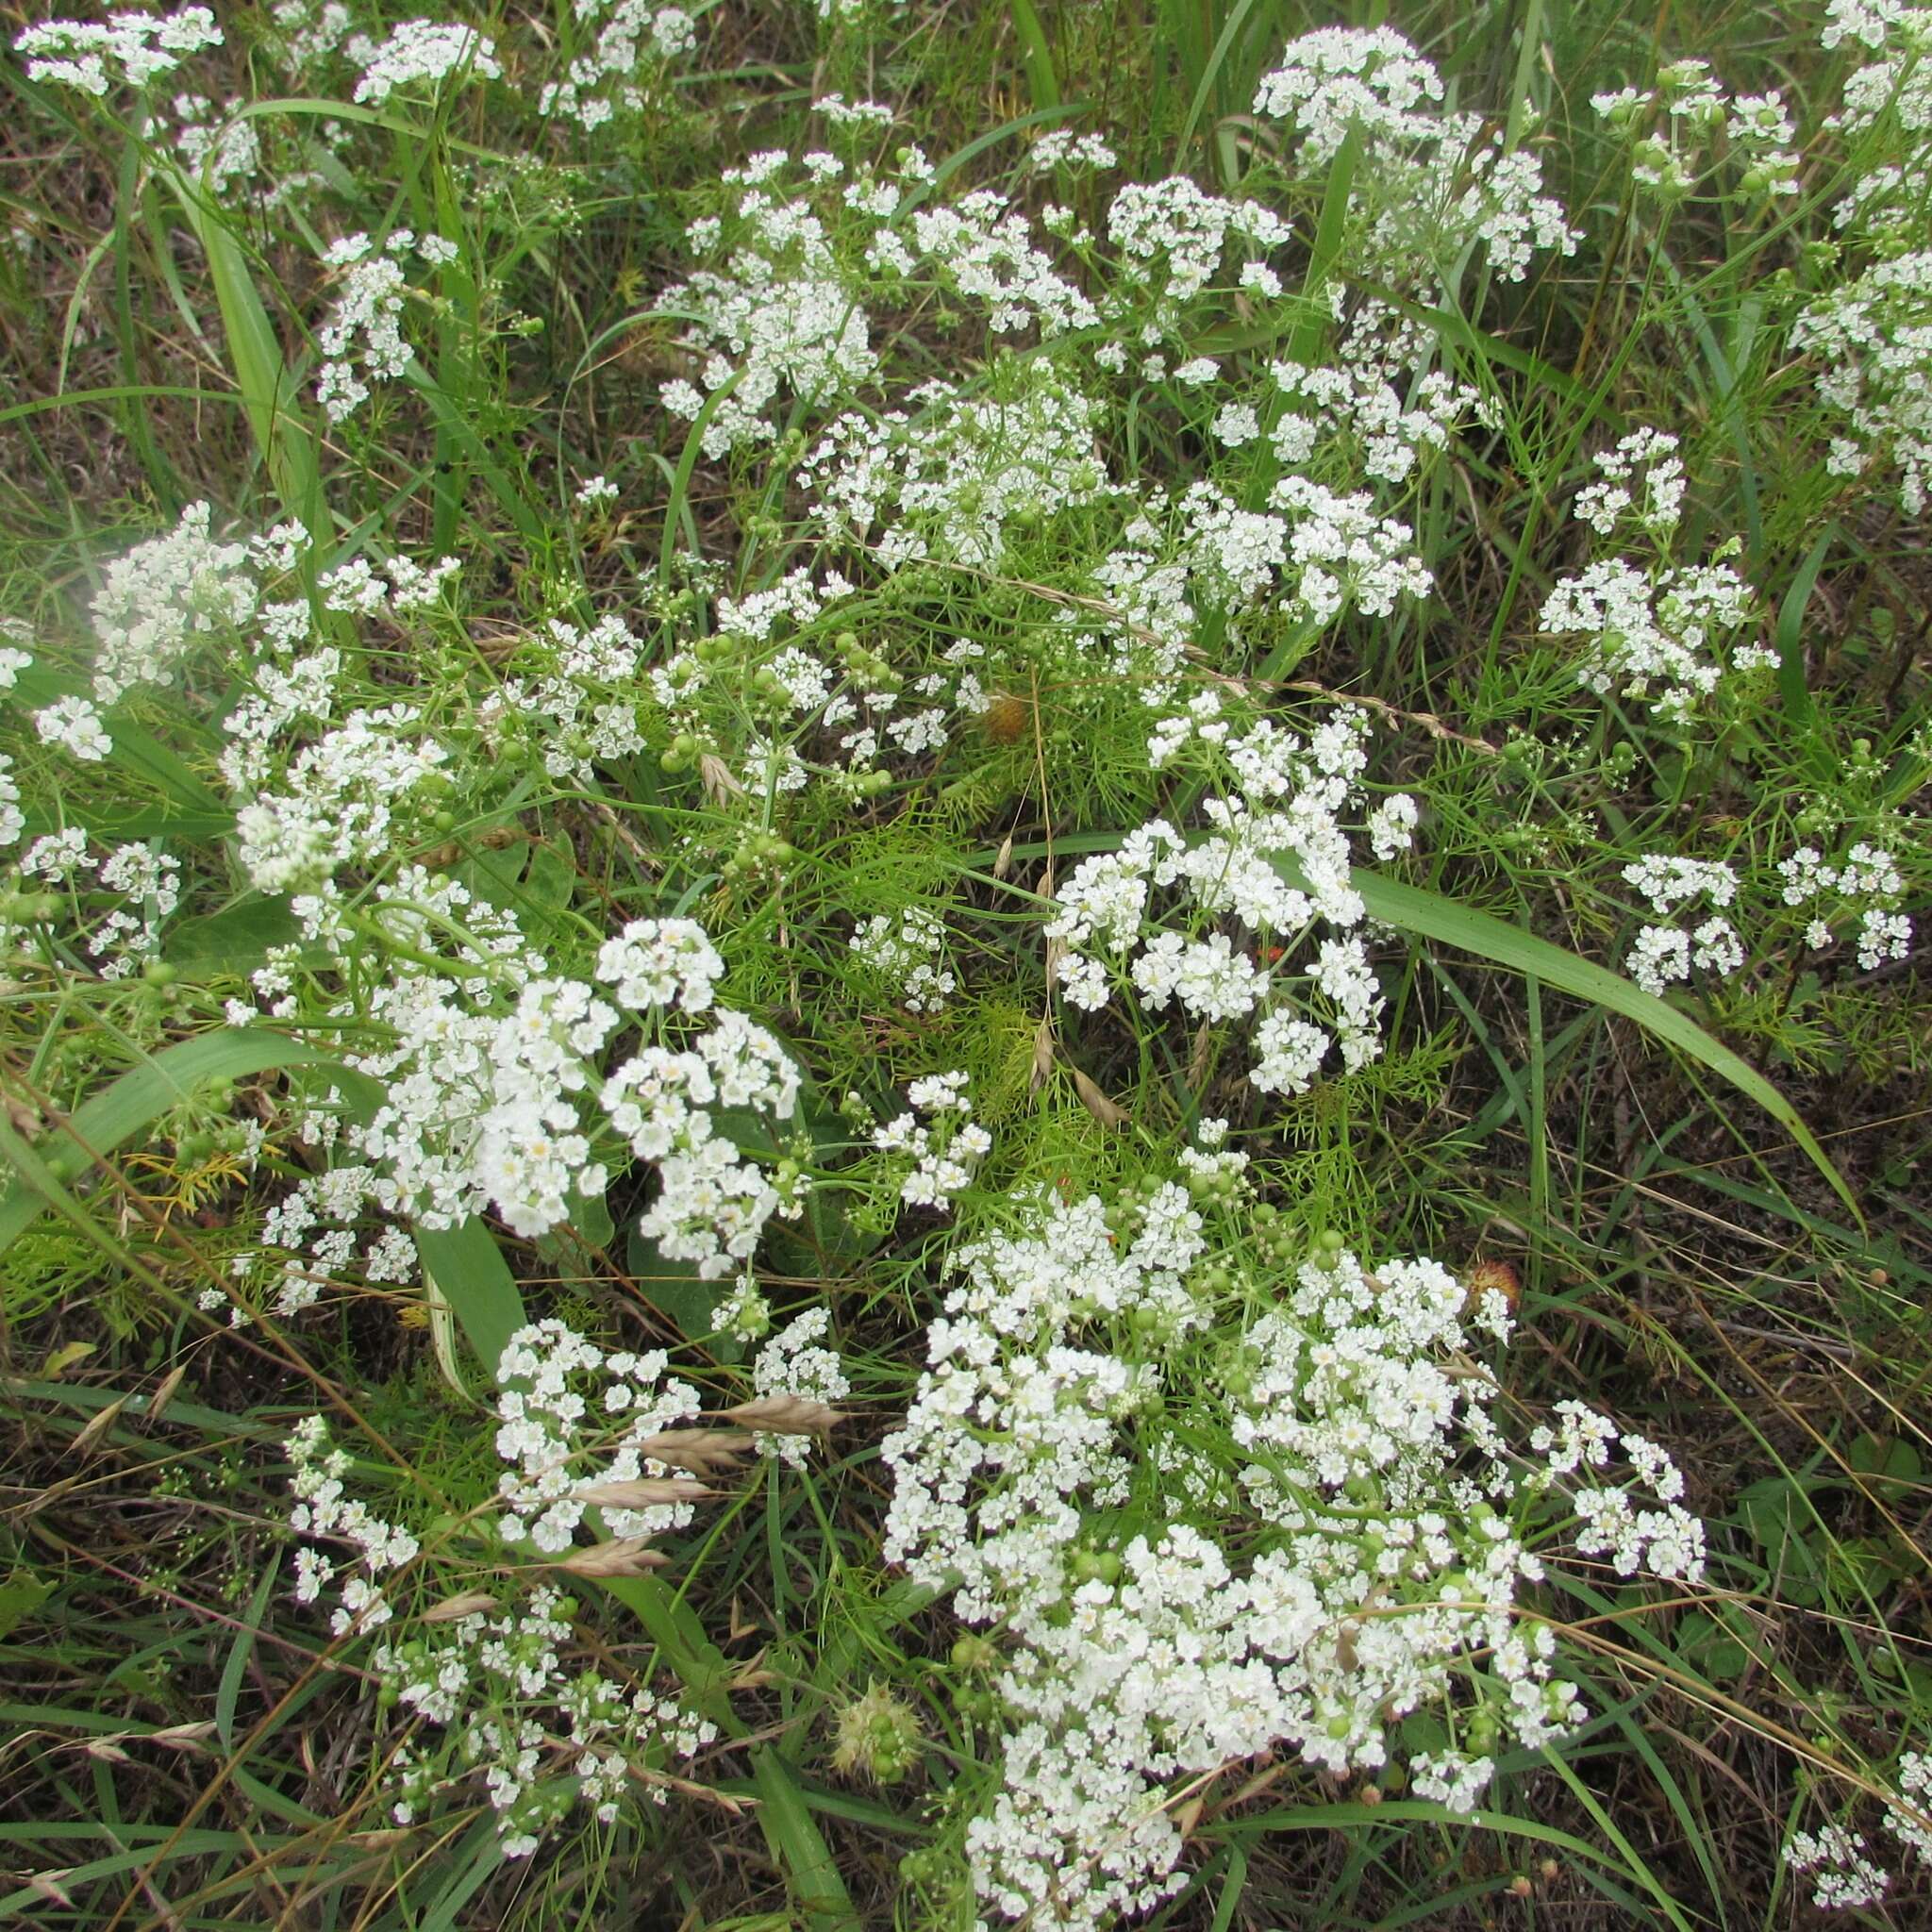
column 467, row 1269
column 141, row 1096
column 234, row 941
column 21, row 1595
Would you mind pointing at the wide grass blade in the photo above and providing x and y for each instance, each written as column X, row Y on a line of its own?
column 141, row 1096
column 1430, row 916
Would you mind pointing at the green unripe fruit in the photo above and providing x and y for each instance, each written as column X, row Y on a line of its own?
column 1086, row 1567
column 444, row 821
column 971, row 1653
column 159, row 972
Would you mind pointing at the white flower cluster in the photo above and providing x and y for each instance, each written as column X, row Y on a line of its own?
column 944, row 1150
column 336, row 801
column 1292, row 1547
column 1641, row 477
column 362, row 338
column 636, row 41
column 494, row 1095
column 223, row 149
column 1438, row 184
column 571, row 702
column 159, row 601
column 1664, row 955
column 487, row 1670
column 834, row 716
column 1843, row 1874
column 71, row 724
column 908, row 953
column 1173, row 236
column 1867, row 884
column 127, row 49
column 149, row 881
column 784, row 318
column 12, row 820
column 1871, row 333
column 1670, row 124
column 325, row 1509
column 145, row 878
column 544, row 1413
column 950, row 482
column 1658, row 635
column 1274, row 861
column 1358, row 401
column 795, row 1365
column 420, row 52
column 1872, row 339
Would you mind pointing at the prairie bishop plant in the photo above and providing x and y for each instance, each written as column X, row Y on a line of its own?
column 1218, row 1503
column 961, row 966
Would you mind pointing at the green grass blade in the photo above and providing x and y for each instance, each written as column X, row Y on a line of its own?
column 1409, row 909
column 144, row 1095
column 1037, row 54
column 268, row 388
column 811, row 1876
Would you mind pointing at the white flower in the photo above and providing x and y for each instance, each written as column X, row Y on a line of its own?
column 75, row 726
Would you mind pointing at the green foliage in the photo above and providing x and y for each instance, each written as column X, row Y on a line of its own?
column 1699, row 1201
